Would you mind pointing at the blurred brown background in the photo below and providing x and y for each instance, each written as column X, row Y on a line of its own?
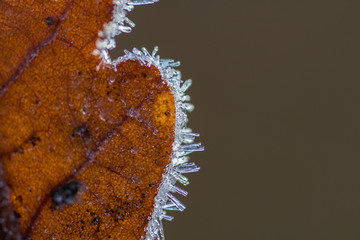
column 276, row 91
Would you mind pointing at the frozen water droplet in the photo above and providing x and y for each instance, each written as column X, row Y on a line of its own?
column 102, row 118
column 133, row 112
column 134, row 150
column 155, row 132
column 111, row 99
column 111, row 80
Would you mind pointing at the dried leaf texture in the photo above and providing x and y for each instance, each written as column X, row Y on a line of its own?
column 82, row 151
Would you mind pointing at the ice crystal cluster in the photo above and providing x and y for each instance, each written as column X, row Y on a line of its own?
column 184, row 137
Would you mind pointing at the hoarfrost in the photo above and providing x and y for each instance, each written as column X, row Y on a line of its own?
column 119, row 24
column 184, row 137
column 182, row 146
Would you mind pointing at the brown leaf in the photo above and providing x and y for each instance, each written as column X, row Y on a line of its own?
column 83, row 148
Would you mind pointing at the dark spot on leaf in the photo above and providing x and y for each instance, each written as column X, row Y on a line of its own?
column 50, row 21
column 19, row 198
column 83, row 131
column 17, row 215
column 20, row 150
column 34, row 140
column 66, row 194
column 79, row 73
column 137, row 204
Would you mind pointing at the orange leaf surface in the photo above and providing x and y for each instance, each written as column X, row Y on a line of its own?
column 84, row 142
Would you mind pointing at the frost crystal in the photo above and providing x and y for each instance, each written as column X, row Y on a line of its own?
column 182, row 146
column 184, row 137
column 119, row 24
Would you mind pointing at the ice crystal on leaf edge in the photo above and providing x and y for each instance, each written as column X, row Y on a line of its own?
column 184, row 137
